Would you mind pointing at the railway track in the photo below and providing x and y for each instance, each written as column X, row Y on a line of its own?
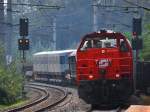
column 59, row 108
column 50, row 97
column 43, row 95
column 58, row 101
column 70, row 101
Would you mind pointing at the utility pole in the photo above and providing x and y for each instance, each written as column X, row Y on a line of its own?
column 96, row 5
column 8, row 38
column 2, row 20
column 54, row 33
column 137, row 16
column 95, row 10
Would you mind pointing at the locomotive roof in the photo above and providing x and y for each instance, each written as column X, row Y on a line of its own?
column 103, row 34
column 54, row 52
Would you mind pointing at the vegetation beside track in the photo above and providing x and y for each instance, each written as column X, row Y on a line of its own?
column 10, row 81
column 17, row 103
column 146, row 48
column 145, row 54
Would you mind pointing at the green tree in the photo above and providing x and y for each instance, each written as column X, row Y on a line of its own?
column 146, row 44
column 145, row 54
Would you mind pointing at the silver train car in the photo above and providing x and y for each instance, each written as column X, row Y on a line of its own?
column 72, row 67
column 53, row 66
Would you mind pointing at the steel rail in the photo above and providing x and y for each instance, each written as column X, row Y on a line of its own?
column 55, row 103
column 32, row 103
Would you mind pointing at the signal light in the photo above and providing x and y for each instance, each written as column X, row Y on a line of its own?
column 24, row 26
column 27, row 40
column 134, row 34
column 137, row 25
column 23, row 44
column 20, row 41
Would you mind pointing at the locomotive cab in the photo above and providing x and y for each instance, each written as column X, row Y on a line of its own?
column 104, row 68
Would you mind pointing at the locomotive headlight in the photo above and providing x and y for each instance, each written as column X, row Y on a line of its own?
column 91, row 76
column 117, row 75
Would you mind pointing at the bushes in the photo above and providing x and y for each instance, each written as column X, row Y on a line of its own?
column 10, row 84
column 10, row 81
column 145, row 54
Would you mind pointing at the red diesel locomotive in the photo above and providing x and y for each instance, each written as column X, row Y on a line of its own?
column 104, row 68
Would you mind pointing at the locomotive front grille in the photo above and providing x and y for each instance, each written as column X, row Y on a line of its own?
column 102, row 72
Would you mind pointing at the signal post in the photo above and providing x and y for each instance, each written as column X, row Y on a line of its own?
column 23, row 45
column 137, row 44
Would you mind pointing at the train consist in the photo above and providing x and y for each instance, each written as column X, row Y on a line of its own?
column 104, row 68
column 54, row 66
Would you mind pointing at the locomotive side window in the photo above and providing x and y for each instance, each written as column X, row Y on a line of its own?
column 97, row 44
column 123, row 46
column 87, row 44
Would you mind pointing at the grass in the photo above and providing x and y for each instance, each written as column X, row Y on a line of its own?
column 13, row 105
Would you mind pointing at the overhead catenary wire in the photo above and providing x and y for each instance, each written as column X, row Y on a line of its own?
column 34, row 5
column 113, row 6
column 9, row 10
column 117, row 8
column 125, row 7
column 61, row 15
column 135, row 4
column 44, row 15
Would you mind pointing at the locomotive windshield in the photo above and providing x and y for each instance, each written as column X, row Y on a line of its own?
column 99, row 43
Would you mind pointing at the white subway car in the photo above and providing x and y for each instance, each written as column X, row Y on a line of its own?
column 51, row 66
